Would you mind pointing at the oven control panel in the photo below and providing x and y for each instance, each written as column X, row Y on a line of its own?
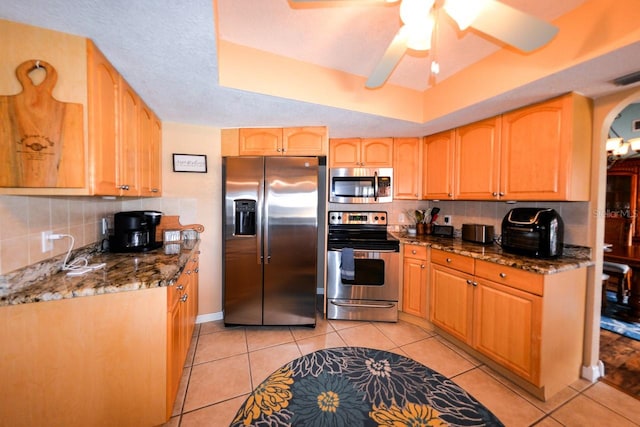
column 360, row 218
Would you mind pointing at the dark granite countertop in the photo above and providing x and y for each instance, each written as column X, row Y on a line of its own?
column 46, row 281
column 573, row 256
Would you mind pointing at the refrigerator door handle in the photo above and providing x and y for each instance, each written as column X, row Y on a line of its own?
column 266, row 256
column 260, row 215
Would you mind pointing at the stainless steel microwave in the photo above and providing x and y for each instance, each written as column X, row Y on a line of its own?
column 361, row 185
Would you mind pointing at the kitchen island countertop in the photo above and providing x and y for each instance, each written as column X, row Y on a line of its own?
column 122, row 272
column 573, row 256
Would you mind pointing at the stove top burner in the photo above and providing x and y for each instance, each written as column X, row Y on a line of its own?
column 360, row 230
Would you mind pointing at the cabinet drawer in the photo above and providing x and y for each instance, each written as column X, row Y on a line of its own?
column 451, row 260
column 415, row 251
column 513, row 277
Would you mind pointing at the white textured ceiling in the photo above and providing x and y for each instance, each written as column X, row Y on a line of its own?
column 167, row 52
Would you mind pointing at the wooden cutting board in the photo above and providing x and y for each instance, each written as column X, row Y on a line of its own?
column 41, row 138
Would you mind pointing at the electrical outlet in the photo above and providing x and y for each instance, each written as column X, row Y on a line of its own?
column 448, row 220
column 47, row 243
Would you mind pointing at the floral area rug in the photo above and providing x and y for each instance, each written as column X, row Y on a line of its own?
column 617, row 318
column 355, row 386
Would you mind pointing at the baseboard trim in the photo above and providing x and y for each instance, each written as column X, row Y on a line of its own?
column 211, row 317
column 592, row 373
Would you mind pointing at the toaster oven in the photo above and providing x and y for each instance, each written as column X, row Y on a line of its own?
column 534, row 232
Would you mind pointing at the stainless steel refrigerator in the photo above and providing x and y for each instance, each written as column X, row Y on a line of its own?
column 271, row 239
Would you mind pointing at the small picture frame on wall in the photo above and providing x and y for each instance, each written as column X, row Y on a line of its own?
column 190, row 163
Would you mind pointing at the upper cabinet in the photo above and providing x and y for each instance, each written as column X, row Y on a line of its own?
column 361, row 152
column 124, row 134
column 406, row 168
column 300, row 141
column 437, row 166
column 120, row 137
column 546, row 150
column 476, row 169
column 539, row 152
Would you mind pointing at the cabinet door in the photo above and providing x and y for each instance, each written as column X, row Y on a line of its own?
column 304, row 141
column 536, row 144
column 344, row 152
column 451, row 301
column 414, row 290
column 477, row 160
column 437, row 166
column 128, row 148
column 260, row 142
column 507, row 327
column 149, row 153
column 174, row 350
column 406, row 166
column 377, row 153
column 103, row 119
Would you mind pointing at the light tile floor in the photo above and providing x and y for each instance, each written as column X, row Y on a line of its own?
column 225, row 364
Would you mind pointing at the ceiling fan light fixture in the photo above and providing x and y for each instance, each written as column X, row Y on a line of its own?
column 419, row 36
column 413, row 12
column 613, row 144
column 464, row 12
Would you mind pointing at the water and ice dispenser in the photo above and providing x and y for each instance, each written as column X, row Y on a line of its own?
column 245, row 217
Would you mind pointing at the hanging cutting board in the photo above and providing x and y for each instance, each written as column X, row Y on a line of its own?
column 41, row 138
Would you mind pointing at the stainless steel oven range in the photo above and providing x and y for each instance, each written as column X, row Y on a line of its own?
column 362, row 267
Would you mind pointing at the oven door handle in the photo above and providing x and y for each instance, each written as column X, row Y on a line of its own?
column 366, row 305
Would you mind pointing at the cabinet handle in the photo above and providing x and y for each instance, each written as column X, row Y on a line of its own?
column 449, row 260
column 413, row 251
column 501, row 194
column 503, row 275
column 494, row 194
column 124, row 187
column 184, row 297
column 154, row 190
column 469, row 282
column 422, row 266
column 188, row 271
column 449, row 195
column 197, row 270
column 179, row 287
column 474, row 283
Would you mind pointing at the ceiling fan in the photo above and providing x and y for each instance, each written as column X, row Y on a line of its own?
column 498, row 20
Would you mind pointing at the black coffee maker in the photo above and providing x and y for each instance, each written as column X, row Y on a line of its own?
column 135, row 231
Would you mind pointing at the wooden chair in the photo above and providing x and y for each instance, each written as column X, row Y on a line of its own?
column 617, row 232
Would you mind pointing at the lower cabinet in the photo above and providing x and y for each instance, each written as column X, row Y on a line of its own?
column 529, row 324
column 112, row 360
column 182, row 307
column 414, row 282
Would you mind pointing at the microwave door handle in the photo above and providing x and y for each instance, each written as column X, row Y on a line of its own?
column 375, row 186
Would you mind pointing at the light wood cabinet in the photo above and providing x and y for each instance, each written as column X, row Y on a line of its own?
column 150, row 162
column 539, row 152
column 361, row 152
column 527, row 324
column 546, row 150
column 299, row 141
column 414, row 282
column 182, row 306
column 124, row 134
column 437, row 166
column 476, row 172
column 406, row 168
column 112, row 129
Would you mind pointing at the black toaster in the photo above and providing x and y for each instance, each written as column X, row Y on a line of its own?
column 534, row 232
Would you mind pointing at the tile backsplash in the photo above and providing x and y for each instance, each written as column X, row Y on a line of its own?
column 24, row 218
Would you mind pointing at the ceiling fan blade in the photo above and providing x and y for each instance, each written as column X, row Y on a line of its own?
column 514, row 27
column 390, row 59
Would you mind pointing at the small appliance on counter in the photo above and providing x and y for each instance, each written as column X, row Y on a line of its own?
column 135, row 231
column 478, row 233
column 535, row 232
